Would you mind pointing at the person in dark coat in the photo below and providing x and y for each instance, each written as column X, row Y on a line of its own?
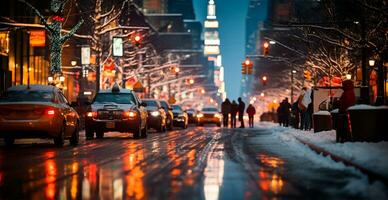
column 279, row 112
column 295, row 112
column 286, row 110
column 241, row 109
column 251, row 111
column 233, row 114
column 347, row 99
column 225, row 110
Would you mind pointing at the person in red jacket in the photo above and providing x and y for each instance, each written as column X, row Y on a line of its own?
column 347, row 99
column 251, row 113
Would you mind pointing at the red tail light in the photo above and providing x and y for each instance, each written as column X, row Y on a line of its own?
column 50, row 112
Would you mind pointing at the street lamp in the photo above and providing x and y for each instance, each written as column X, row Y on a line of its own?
column 191, row 81
column 62, row 78
column 272, row 42
column 262, row 94
column 348, row 76
column 73, row 63
column 371, row 62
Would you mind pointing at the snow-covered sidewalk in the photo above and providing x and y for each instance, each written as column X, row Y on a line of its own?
column 372, row 156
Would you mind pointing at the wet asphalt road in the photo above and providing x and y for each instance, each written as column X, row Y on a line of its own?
column 196, row 163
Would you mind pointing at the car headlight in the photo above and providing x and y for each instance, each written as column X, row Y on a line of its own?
column 199, row 115
column 218, row 115
column 129, row 114
column 91, row 114
column 155, row 113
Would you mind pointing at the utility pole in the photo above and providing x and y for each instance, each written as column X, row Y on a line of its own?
column 364, row 83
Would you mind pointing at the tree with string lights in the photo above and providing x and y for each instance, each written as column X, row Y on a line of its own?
column 54, row 28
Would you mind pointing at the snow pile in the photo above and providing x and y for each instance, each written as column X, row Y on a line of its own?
column 322, row 112
column 372, row 156
column 366, row 107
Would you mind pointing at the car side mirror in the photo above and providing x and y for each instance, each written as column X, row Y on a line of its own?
column 143, row 104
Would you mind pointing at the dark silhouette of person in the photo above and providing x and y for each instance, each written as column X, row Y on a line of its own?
column 347, row 99
column 251, row 111
column 286, row 110
column 295, row 112
column 241, row 109
column 233, row 114
column 225, row 110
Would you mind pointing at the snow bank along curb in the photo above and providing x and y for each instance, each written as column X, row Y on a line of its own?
column 319, row 150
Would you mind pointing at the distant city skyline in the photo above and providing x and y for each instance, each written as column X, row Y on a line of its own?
column 231, row 16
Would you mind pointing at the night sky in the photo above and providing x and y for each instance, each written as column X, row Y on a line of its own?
column 231, row 15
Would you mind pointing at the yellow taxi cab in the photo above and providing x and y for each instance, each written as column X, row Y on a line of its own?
column 37, row 111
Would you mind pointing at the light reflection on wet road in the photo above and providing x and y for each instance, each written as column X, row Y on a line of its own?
column 197, row 163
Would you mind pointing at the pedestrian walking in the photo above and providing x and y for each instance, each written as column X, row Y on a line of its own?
column 225, row 110
column 241, row 109
column 286, row 110
column 233, row 114
column 295, row 113
column 251, row 111
column 347, row 99
column 304, row 101
column 279, row 112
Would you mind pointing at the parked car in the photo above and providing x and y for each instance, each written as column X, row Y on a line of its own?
column 180, row 117
column 209, row 115
column 37, row 111
column 192, row 114
column 157, row 117
column 116, row 109
column 170, row 116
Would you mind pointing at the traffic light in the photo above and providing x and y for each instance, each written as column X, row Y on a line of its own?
column 247, row 66
column 244, row 69
column 264, row 80
column 266, row 49
column 137, row 39
column 307, row 74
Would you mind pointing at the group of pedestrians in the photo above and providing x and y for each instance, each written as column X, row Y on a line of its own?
column 301, row 110
column 234, row 109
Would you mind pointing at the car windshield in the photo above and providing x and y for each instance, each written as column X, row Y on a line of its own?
column 176, row 108
column 209, row 110
column 27, row 95
column 151, row 103
column 119, row 98
column 164, row 104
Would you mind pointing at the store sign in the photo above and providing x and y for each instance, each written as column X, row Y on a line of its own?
column 85, row 55
column 118, row 47
column 37, row 38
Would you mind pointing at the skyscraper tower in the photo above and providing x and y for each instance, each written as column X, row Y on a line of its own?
column 212, row 47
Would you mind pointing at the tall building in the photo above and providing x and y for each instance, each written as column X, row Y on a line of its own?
column 185, row 7
column 212, row 48
column 256, row 15
column 155, row 6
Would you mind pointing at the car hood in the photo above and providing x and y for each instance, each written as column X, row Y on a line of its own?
column 112, row 106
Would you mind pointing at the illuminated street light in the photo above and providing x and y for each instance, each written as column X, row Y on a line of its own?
column 272, row 42
column 73, row 63
column 203, row 91
column 266, row 45
column 371, row 63
column 265, row 78
column 293, row 71
column 191, row 81
column 348, row 76
column 262, row 94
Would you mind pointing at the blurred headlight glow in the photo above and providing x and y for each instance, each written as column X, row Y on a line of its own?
column 200, row 115
column 155, row 113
